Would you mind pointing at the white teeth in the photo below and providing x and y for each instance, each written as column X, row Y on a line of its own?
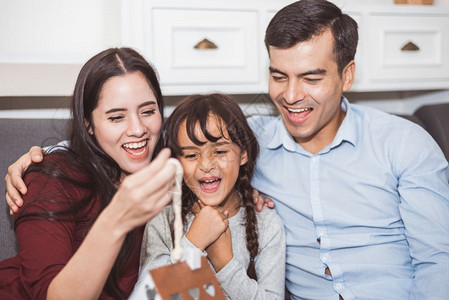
column 135, row 145
column 209, row 181
column 139, row 153
column 299, row 110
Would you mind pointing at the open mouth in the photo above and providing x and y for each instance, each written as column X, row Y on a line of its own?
column 136, row 150
column 299, row 110
column 298, row 115
column 210, row 185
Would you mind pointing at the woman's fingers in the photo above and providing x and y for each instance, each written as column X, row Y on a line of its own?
column 150, row 172
column 152, row 182
column 143, row 194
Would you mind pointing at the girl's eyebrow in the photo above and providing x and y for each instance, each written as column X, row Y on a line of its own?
column 113, row 110
column 223, row 143
column 188, row 148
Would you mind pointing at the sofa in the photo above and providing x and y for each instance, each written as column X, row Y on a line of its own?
column 18, row 135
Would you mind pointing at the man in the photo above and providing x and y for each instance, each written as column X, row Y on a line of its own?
column 364, row 195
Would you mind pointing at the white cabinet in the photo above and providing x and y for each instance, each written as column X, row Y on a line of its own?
column 42, row 47
column 400, row 47
column 202, row 47
column 409, row 49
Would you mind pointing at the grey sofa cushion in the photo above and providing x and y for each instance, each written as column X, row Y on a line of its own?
column 17, row 136
column 436, row 120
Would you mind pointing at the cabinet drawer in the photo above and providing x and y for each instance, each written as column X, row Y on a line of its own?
column 232, row 56
column 411, row 48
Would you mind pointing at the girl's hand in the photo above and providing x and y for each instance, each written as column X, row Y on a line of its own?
column 207, row 226
column 220, row 252
column 142, row 195
column 14, row 182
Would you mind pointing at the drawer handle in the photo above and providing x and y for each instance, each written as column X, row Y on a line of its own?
column 205, row 44
column 410, row 46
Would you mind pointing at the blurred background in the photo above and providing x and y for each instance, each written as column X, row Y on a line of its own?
column 201, row 46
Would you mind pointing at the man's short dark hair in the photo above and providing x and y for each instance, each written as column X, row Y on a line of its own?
column 305, row 19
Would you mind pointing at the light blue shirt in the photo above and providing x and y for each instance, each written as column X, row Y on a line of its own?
column 377, row 198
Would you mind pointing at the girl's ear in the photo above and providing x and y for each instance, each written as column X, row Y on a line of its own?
column 244, row 158
column 88, row 127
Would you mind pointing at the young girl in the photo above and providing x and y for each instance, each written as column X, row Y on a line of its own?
column 209, row 135
column 81, row 226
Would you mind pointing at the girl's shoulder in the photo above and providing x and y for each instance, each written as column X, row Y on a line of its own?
column 163, row 219
column 167, row 213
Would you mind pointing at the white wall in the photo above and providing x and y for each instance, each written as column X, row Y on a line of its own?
column 55, row 37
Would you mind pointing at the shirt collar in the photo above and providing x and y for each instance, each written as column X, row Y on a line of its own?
column 281, row 137
column 346, row 132
column 348, row 128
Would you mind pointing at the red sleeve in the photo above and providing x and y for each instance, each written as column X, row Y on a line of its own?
column 45, row 245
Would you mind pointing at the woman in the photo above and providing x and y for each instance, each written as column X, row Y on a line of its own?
column 81, row 225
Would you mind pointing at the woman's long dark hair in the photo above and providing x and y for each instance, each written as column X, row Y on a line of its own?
column 100, row 172
column 196, row 109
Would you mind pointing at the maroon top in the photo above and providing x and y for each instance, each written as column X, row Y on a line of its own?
column 46, row 246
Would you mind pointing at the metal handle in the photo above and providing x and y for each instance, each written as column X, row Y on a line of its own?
column 410, row 46
column 205, row 44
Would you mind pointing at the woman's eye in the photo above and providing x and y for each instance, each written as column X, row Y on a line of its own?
column 149, row 112
column 115, row 118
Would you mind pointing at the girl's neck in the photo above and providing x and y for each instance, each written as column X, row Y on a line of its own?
column 232, row 204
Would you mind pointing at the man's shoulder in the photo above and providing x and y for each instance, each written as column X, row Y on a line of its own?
column 382, row 122
column 390, row 133
column 263, row 125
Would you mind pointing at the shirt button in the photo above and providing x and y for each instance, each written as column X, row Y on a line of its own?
column 324, row 258
column 338, row 286
column 313, row 159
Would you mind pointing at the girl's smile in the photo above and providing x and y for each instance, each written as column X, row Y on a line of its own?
column 211, row 169
column 210, row 184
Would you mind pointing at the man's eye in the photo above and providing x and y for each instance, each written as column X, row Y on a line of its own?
column 278, row 78
column 190, row 156
column 312, row 80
